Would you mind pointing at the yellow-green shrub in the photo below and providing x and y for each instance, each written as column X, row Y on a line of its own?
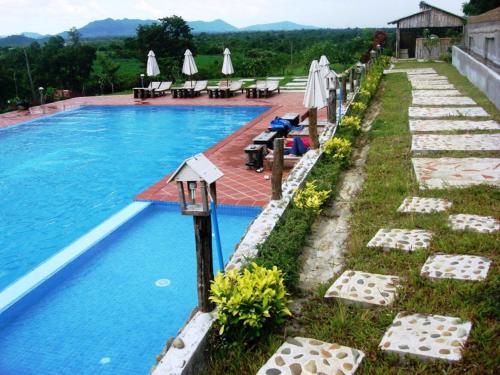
column 338, row 148
column 358, row 107
column 352, row 122
column 310, row 198
column 249, row 300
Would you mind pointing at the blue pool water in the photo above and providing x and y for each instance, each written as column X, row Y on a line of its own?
column 62, row 175
column 106, row 315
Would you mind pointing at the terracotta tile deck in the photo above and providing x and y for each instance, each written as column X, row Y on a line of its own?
column 239, row 186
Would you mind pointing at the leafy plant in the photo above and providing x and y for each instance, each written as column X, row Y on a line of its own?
column 250, row 300
column 338, row 148
column 352, row 122
column 309, row 198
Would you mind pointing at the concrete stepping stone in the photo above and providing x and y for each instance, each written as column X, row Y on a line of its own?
column 301, row 355
column 276, row 78
column 426, row 112
column 247, row 79
column 476, row 223
column 443, row 100
column 304, row 80
column 426, row 77
column 426, row 336
column 443, row 173
column 301, row 84
column 461, row 267
column 418, row 71
column 366, row 289
column 438, row 81
column 458, row 142
column 424, row 205
column 432, row 86
column 451, row 125
column 403, row 239
column 435, row 93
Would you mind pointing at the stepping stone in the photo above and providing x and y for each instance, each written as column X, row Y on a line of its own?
column 424, row 205
column 301, row 355
column 461, row 267
column 432, row 86
column 451, row 125
column 426, row 77
column 426, row 336
column 247, row 79
column 276, row 78
column 427, row 112
column 476, row 223
column 301, row 84
column 300, row 80
column 438, row 81
column 435, row 93
column 403, row 239
column 443, row 173
column 443, row 100
column 367, row 289
column 460, row 142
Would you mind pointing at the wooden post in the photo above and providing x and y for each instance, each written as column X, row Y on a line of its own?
column 332, row 106
column 397, row 41
column 277, row 173
column 204, row 261
column 351, row 80
column 313, row 128
column 344, row 88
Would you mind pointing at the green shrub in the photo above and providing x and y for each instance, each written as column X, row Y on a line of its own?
column 338, row 148
column 250, row 300
column 309, row 198
column 351, row 122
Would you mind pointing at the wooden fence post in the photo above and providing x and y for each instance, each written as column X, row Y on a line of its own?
column 205, row 272
column 351, row 80
column 344, row 88
column 313, row 128
column 332, row 106
column 277, row 172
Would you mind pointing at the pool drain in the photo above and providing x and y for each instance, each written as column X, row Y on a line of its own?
column 162, row 283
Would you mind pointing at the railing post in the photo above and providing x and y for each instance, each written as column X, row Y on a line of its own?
column 277, row 172
column 344, row 88
column 351, row 80
column 313, row 128
column 332, row 106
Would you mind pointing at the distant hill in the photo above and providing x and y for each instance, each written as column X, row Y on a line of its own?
column 111, row 28
column 285, row 25
column 215, row 26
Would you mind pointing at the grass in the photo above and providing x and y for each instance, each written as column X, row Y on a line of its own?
column 390, row 179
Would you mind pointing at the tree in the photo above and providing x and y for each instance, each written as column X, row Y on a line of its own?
column 74, row 36
column 475, row 7
column 107, row 70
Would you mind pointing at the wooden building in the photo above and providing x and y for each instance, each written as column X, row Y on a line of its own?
column 410, row 30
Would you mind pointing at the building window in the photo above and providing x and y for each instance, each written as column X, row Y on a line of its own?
column 489, row 50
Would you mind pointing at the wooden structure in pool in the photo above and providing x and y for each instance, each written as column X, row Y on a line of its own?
column 410, row 32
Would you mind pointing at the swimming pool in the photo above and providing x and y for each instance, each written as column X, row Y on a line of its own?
column 62, row 175
column 113, row 309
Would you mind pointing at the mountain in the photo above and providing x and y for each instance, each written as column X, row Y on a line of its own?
column 277, row 26
column 111, row 28
column 15, row 41
column 215, row 26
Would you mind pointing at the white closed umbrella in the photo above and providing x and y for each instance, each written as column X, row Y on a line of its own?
column 227, row 65
column 189, row 67
column 152, row 68
column 314, row 98
column 315, row 89
column 325, row 72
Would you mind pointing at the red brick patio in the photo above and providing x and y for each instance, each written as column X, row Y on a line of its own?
column 239, row 186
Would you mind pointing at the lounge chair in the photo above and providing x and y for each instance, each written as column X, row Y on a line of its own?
column 235, row 87
column 268, row 88
column 184, row 90
column 199, row 88
column 163, row 88
column 144, row 92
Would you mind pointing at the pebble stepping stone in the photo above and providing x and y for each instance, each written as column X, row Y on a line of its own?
column 476, row 223
column 366, row 289
column 403, row 239
column 443, row 173
column 461, row 267
column 432, row 86
column 424, row 205
column 301, row 355
column 451, row 125
column 426, row 336
column 459, row 142
column 427, row 112
column 443, row 100
column 435, row 93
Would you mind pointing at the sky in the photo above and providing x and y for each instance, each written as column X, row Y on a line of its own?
column 54, row 16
